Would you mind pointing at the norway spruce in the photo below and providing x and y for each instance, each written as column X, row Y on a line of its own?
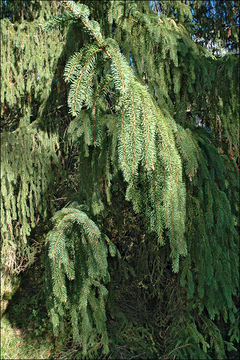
column 120, row 136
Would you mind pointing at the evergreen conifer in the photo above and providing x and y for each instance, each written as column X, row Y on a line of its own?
column 115, row 156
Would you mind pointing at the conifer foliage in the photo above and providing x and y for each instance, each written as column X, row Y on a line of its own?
column 124, row 152
column 28, row 155
column 78, row 264
column 147, row 151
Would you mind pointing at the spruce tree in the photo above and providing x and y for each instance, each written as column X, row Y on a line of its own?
column 110, row 128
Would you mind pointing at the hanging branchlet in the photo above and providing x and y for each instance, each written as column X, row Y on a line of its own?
column 28, row 160
column 78, row 266
column 180, row 67
column 143, row 131
column 23, row 81
column 214, row 250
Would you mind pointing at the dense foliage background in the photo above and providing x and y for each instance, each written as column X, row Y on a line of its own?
column 120, row 178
